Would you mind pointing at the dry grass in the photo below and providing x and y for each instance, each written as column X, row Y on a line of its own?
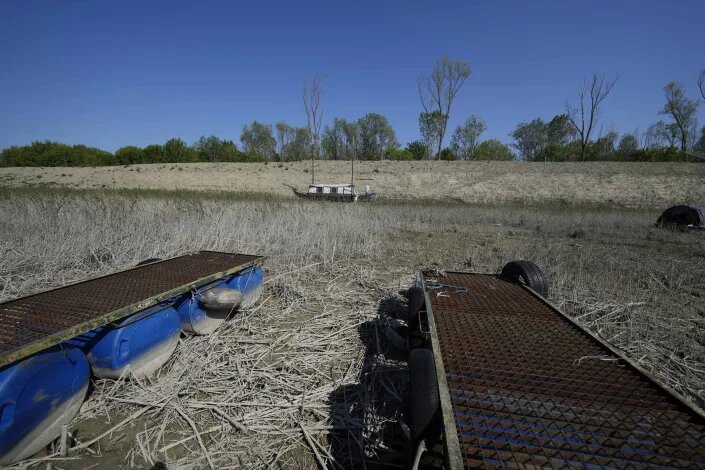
column 308, row 368
column 652, row 185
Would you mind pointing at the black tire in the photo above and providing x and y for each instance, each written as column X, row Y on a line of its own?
column 425, row 404
column 416, row 302
column 527, row 273
column 147, row 261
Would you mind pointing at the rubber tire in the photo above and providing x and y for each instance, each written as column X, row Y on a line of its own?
column 425, row 403
column 147, row 261
column 416, row 302
column 527, row 273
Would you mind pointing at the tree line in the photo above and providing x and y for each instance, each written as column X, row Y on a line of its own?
column 569, row 136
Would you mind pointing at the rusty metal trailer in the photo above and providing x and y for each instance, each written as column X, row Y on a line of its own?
column 34, row 323
column 521, row 385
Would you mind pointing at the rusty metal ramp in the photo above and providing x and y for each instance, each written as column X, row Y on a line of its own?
column 30, row 324
column 522, row 386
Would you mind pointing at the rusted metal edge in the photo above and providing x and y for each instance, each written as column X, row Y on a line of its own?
column 620, row 354
column 452, row 441
column 68, row 333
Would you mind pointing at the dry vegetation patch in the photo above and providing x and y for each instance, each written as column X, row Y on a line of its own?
column 652, row 185
column 306, row 374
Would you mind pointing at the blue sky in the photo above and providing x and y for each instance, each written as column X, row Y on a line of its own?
column 109, row 74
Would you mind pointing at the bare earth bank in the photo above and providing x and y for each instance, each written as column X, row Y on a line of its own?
column 614, row 183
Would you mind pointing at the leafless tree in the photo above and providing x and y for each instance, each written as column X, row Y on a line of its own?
column 312, row 93
column 701, row 83
column 284, row 136
column 683, row 112
column 584, row 116
column 438, row 91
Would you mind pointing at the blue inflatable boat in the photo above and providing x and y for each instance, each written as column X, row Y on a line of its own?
column 199, row 317
column 142, row 343
column 39, row 395
column 250, row 283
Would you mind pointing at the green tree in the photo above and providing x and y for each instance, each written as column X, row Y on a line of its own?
column 300, row 145
column 438, row 91
column 530, row 138
column 418, row 149
column 213, row 149
column 603, row 148
column 257, row 139
column 682, row 110
column 559, row 130
column 129, row 155
column 176, row 151
column 377, row 137
column 154, row 153
column 285, row 134
column 628, row 144
column 493, row 149
column 333, row 139
column 466, row 137
column 431, row 127
column 447, row 154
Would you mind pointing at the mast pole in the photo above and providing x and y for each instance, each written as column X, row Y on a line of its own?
column 352, row 173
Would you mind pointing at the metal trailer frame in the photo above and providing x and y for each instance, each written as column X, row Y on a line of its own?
column 453, row 454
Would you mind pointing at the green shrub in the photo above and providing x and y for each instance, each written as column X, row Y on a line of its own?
column 129, row 155
column 418, row 149
column 401, row 155
column 447, row 155
column 493, row 149
column 49, row 153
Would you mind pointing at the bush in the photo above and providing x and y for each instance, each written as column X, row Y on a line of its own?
column 176, row 151
column 447, row 155
column 493, row 149
column 129, row 155
column 401, row 155
column 154, row 154
column 249, row 158
column 49, row 153
column 654, row 154
column 418, row 149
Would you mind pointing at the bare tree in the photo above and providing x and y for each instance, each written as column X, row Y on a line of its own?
column 311, row 93
column 701, row 83
column 438, row 91
column 682, row 109
column 584, row 116
column 284, row 136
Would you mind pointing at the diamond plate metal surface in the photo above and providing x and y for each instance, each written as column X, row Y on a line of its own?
column 31, row 319
column 530, row 389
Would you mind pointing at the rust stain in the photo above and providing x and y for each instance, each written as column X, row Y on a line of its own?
column 528, row 388
column 32, row 323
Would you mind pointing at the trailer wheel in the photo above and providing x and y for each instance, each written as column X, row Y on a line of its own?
column 147, row 261
column 416, row 302
column 527, row 273
column 425, row 404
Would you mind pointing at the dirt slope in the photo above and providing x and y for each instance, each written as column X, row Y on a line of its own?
column 623, row 184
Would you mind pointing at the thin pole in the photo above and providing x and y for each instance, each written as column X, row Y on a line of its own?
column 352, row 172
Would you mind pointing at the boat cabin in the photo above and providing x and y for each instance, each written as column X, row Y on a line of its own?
column 339, row 189
column 338, row 192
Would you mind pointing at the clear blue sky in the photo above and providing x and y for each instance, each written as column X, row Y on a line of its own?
column 112, row 73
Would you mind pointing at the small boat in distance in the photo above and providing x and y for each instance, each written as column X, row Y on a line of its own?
column 335, row 192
